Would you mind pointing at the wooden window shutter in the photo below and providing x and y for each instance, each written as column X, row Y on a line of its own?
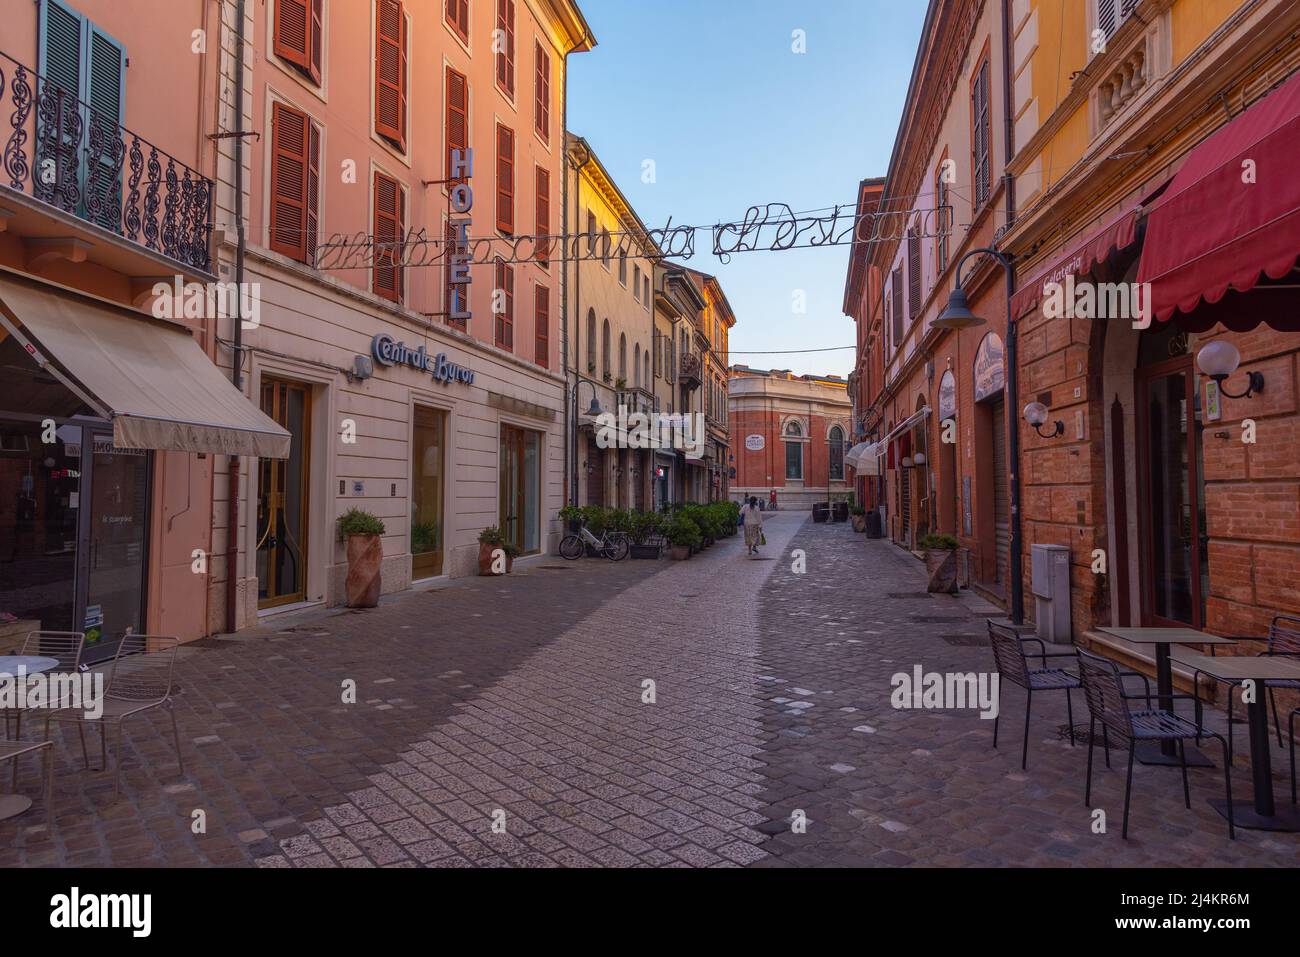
column 293, row 29
column 543, row 216
column 390, row 213
column 457, row 13
column 505, row 318
column 506, row 55
column 457, row 114
column 505, row 179
column 542, row 104
column 390, row 73
column 542, row 311
column 913, row 273
column 313, row 193
column 897, row 292
column 317, row 44
column 290, row 136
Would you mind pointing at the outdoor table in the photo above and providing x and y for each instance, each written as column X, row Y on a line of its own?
column 1166, row 752
column 1261, row 813
column 11, row 805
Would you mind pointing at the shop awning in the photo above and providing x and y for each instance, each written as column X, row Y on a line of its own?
column 1119, row 232
column 864, row 458
column 908, row 423
column 150, row 378
column 1231, row 216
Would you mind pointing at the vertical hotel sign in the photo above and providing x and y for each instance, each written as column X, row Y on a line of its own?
column 458, row 255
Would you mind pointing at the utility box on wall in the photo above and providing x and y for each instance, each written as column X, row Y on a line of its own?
column 1051, row 587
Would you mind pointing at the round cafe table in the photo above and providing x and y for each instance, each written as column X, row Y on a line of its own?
column 11, row 805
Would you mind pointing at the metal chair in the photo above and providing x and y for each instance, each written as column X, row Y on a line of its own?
column 63, row 646
column 13, row 750
column 1108, row 702
column 140, row 679
column 1013, row 665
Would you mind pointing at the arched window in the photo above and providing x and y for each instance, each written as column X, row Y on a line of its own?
column 636, row 364
column 646, row 359
column 836, row 442
column 622, row 357
column 591, row 341
column 604, row 350
column 793, row 452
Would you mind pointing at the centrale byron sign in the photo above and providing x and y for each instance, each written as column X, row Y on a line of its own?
column 390, row 353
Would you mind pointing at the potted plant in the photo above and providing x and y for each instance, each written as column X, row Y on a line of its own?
column 571, row 516
column 941, row 562
column 607, row 377
column 859, row 518
column 362, row 532
column 683, row 535
column 645, row 526
column 620, row 384
column 490, row 541
column 512, row 551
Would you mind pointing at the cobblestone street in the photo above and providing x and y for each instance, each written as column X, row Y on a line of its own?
column 507, row 722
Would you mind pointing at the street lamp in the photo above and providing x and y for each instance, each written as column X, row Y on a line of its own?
column 594, row 412
column 1036, row 415
column 1220, row 359
column 958, row 315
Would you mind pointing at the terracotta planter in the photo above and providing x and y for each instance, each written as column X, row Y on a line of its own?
column 942, row 566
column 859, row 522
column 365, row 561
column 485, row 551
column 679, row 553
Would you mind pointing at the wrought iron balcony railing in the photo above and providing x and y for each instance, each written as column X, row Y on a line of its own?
column 691, row 372
column 64, row 153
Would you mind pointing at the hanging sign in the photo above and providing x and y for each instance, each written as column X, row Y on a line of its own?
column 458, row 251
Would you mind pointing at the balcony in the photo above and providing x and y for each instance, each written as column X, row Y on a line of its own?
column 638, row 400
column 690, row 374
column 77, row 185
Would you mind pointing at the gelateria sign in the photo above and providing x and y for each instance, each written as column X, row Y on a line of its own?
column 390, row 353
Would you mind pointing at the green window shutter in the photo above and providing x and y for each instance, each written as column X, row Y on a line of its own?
column 62, row 31
column 105, row 92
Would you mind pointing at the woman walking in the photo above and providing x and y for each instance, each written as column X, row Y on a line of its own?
column 753, row 520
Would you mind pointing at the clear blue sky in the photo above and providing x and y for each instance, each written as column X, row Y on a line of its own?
column 712, row 92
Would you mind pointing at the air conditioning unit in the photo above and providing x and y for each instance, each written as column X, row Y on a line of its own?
column 1051, row 588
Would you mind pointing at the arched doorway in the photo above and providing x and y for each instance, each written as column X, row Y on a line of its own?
column 993, row 497
column 946, row 468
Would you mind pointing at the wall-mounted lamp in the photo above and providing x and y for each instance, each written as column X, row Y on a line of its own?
column 908, row 462
column 1220, row 359
column 920, row 458
column 1036, row 415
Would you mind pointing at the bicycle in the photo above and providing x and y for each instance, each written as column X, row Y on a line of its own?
column 614, row 546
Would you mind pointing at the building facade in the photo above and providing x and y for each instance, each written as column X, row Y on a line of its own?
column 389, row 160
column 611, row 290
column 713, row 330
column 678, row 305
column 792, row 434
column 115, row 419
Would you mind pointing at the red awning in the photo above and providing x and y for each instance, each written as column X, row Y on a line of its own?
column 1119, row 233
column 1231, row 215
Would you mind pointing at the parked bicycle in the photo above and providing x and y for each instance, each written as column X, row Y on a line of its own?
column 612, row 545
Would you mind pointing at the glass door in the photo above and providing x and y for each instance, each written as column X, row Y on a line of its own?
column 521, row 487
column 1172, row 495
column 428, row 448
column 115, row 532
column 282, row 505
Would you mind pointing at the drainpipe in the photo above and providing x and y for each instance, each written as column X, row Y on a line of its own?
column 1013, row 376
column 236, row 372
column 564, row 286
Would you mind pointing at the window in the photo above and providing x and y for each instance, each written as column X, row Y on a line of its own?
column 636, row 283
column 591, row 341
column 1112, row 13
column 622, row 268
column 794, row 452
column 636, row 364
column 646, row 298
column 941, row 199
column 542, row 104
column 542, row 322
column 658, row 354
column 543, row 217
column 604, row 351
column 503, row 42
column 90, row 65
column 295, row 183
column 390, row 72
column 605, row 247
column 913, row 274
column 299, row 33
column 646, row 360
column 390, row 219
column 505, row 179
column 897, row 280
column 836, row 442
column 980, row 128
column 457, row 14
column 591, row 233
column 457, row 114
column 503, row 305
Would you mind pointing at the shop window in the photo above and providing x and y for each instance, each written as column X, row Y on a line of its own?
column 505, row 41
column 295, row 183
column 299, row 35
column 390, row 72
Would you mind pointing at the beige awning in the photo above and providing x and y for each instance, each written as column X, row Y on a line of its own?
column 150, row 378
column 864, row 458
